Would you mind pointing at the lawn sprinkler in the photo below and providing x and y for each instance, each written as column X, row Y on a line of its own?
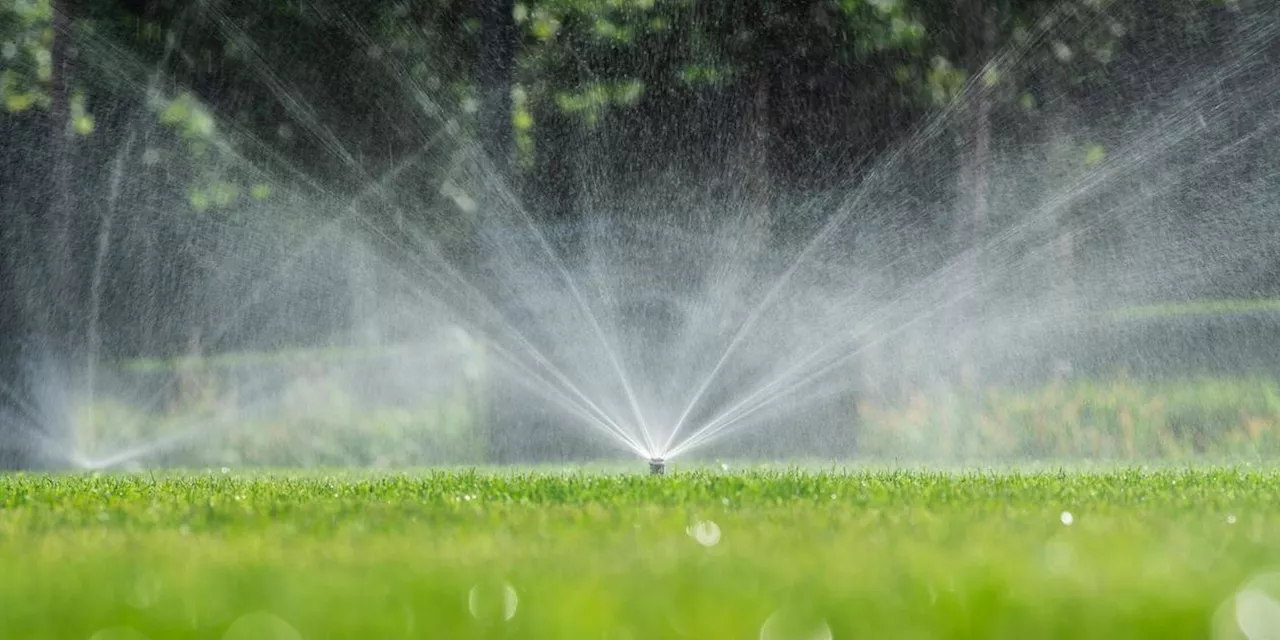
column 657, row 466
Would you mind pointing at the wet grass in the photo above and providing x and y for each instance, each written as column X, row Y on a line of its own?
column 878, row 554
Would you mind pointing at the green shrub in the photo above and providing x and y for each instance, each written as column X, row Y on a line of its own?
column 218, row 414
column 1117, row 419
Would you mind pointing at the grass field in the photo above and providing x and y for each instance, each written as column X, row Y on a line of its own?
column 536, row 554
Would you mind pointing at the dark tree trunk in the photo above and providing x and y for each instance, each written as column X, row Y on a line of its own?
column 36, row 263
column 975, row 177
column 499, row 39
column 760, row 138
column 57, row 228
column 14, row 262
column 552, row 187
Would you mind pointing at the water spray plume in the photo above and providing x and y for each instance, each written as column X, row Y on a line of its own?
column 410, row 305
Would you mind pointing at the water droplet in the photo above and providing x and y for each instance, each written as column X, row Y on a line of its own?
column 261, row 625
column 794, row 625
column 118, row 633
column 1231, row 518
column 466, row 203
column 8, row 50
column 226, row 470
column 1062, row 52
column 1067, row 518
column 490, row 602
column 706, row 532
column 724, row 501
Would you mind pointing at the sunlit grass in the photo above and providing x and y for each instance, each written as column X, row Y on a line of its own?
column 595, row 555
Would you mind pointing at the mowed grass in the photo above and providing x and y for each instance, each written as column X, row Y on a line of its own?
column 911, row 554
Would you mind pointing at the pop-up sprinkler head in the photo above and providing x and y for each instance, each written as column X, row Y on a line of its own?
column 657, row 466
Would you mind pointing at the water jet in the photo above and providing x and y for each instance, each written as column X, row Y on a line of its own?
column 661, row 311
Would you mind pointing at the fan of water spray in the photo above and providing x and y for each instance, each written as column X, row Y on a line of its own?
column 661, row 321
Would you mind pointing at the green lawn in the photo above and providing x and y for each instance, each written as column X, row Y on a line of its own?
column 874, row 554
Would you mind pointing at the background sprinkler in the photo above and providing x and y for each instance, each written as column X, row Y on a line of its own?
column 657, row 466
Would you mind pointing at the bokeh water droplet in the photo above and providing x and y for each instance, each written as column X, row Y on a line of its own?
column 1067, row 518
column 1257, row 615
column 1231, row 518
column 261, row 625
column 1252, row 613
column 493, row 602
column 706, row 532
column 790, row 624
